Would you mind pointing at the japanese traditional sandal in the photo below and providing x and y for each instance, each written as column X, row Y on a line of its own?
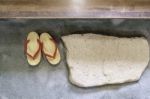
column 50, row 49
column 33, row 48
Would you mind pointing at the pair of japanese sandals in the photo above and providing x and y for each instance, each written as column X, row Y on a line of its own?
column 35, row 45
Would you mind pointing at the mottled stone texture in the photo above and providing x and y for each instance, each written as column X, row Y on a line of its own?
column 96, row 60
column 19, row 81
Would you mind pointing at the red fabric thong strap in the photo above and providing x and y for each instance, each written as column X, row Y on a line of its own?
column 36, row 53
column 49, row 55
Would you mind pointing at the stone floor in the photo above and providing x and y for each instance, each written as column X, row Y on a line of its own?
column 20, row 81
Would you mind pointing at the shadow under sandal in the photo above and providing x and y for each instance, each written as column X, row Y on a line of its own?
column 50, row 49
column 33, row 48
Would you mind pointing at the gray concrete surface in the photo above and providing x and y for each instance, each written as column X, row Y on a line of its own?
column 20, row 81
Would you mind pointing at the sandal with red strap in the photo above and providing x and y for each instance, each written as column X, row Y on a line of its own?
column 32, row 48
column 50, row 49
